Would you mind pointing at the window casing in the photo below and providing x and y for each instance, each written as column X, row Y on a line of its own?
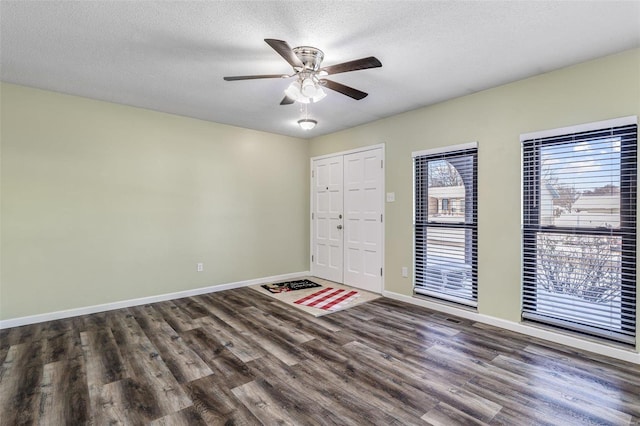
column 579, row 230
column 445, row 224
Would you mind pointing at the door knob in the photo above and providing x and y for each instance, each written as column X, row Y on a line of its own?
column 339, row 226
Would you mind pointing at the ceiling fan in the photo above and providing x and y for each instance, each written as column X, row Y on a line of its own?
column 306, row 61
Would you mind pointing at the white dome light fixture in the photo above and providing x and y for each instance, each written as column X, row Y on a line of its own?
column 307, row 123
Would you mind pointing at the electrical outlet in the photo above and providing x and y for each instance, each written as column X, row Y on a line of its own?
column 405, row 272
column 200, row 267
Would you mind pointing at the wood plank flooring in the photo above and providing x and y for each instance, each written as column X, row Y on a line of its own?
column 240, row 358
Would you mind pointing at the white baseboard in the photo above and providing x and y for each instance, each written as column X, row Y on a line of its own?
column 574, row 342
column 33, row 319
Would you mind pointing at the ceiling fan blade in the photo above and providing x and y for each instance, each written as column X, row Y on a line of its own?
column 358, row 64
column 286, row 101
column 285, row 51
column 253, row 77
column 345, row 90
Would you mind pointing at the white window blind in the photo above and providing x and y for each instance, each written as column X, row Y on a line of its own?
column 445, row 224
column 579, row 231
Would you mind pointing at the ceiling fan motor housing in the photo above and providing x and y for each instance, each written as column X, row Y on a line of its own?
column 311, row 57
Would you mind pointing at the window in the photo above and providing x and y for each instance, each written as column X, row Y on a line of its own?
column 579, row 229
column 445, row 237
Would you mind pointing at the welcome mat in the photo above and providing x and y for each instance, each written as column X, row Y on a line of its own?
column 310, row 305
column 290, row 286
column 330, row 299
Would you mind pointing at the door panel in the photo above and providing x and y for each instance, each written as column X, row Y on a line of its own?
column 363, row 219
column 327, row 219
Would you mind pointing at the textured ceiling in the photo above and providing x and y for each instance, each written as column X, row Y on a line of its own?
column 171, row 56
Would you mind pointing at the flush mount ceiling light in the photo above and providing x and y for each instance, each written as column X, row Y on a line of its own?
column 307, row 123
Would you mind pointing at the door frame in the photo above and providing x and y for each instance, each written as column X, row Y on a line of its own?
column 382, row 195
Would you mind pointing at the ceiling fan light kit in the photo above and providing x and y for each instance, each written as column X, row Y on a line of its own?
column 306, row 63
column 305, row 91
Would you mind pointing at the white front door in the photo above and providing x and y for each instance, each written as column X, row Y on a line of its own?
column 363, row 220
column 327, row 256
column 347, row 227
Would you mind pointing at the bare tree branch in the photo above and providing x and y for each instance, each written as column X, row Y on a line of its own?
column 584, row 266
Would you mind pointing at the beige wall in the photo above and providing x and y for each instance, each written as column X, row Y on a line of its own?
column 593, row 91
column 103, row 203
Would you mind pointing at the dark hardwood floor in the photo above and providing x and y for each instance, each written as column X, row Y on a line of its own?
column 238, row 357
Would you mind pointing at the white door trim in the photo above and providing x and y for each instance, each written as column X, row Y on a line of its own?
column 383, row 195
column 350, row 151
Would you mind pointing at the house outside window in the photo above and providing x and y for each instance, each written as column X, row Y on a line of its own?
column 445, row 224
column 445, row 205
column 579, row 229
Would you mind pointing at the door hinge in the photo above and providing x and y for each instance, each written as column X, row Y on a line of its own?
column 382, row 164
column 380, row 271
column 312, row 173
column 380, row 217
column 312, row 216
column 311, row 258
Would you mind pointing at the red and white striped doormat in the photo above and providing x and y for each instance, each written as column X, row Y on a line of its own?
column 329, row 298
